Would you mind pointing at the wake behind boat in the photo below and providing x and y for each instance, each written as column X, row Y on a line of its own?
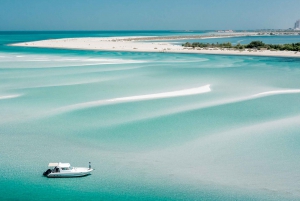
column 59, row 170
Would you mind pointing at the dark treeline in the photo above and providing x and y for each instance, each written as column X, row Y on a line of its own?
column 253, row 45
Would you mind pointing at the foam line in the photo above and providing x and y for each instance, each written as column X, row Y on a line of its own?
column 61, row 85
column 9, row 96
column 269, row 93
column 38, row 60
column 185, row 92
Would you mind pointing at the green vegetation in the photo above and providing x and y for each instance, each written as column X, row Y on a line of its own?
column 253, row 45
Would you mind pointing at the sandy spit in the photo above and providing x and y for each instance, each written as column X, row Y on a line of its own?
column 140, row 44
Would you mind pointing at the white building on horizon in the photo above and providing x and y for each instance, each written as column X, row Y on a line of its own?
column 297, row 25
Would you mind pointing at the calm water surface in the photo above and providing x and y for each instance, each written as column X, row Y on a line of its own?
column 238, row 141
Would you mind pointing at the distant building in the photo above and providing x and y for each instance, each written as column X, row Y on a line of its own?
column 297, row 25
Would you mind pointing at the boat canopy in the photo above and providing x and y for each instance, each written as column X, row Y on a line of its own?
column 52, row 164
column 65, row 165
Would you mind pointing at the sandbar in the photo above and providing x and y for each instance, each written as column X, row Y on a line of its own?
column 151, row 44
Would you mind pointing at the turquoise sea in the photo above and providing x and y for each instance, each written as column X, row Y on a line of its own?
column 238, row 141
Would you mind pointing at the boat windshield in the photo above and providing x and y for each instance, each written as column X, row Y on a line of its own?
column 67, row 168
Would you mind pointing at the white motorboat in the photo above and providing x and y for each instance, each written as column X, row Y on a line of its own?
column 58, row 170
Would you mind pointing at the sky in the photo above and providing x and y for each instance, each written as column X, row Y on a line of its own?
column 43, row 15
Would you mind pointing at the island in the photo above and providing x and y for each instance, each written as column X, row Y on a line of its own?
column 163, row 44
column 254, row 45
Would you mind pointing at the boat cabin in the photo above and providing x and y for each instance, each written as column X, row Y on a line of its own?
column 57, row 167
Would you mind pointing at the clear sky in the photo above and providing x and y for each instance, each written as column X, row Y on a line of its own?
column 147, row 14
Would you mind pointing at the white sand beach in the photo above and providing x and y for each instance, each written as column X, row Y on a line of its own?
column 150, row 44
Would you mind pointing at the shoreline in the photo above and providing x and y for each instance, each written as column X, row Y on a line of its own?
column 183, row 37
column 142, row 44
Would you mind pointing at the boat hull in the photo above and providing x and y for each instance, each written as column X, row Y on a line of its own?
column 69, row 174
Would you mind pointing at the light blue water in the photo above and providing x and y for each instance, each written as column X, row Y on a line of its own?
column 246, row 40
column 240, row 141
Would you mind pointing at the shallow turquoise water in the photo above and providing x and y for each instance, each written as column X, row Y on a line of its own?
column 278, row 39
column 240, row 141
